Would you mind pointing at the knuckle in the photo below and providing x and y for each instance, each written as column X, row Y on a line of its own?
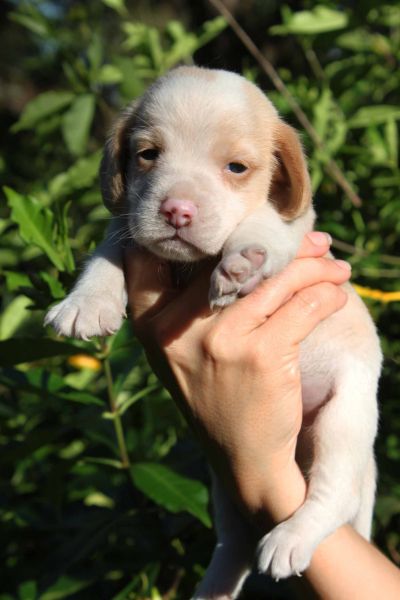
column 214, row 345
column 255, row 356
column 317, row 297
column 309, row 301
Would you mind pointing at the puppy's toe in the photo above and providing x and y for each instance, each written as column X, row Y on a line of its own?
column 237, row 274
column 85, row 316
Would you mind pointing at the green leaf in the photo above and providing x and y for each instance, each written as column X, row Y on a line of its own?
column 36, row 24
column 95, row 54
column 64, row 588
column 27, row 590
column 41, row 107
column 125, row 404
column 55, row 286
column 117, row 5
column 124, row 593
column 109, row 74
column 171, row 490
column 374, row 115
column 97, row 498
column 107, row 462
column 20, row 350
column 212, row 29
column 64, row 243
column 76, row 123
column 36, row 224
column 392, row 141
column 311, row 22
column 80, row 397
column 386, row 507
column 82, row 174
column 15, row 280
column 13, row 316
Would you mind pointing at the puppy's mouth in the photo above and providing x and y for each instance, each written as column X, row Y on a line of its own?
column 175, row 247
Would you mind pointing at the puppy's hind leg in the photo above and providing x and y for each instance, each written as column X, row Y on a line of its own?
column 362, row 522
column 233, row 554
column 344, row 432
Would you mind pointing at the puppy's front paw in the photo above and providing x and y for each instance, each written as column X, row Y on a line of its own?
column 285, row 551
column 237, row 274
column 84, row 316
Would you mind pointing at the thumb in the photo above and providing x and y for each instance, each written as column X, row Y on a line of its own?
column 149, row 284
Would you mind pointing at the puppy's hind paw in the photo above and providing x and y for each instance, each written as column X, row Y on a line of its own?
column 284, row 552
column 84, row 316
column 237, row 274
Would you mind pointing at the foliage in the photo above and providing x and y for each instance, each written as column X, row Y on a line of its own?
column 103, row 491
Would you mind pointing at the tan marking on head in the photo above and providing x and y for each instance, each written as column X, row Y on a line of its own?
column 114, row 162
column 291, row 185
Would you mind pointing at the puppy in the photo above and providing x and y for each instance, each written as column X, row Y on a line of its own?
column 201, row 166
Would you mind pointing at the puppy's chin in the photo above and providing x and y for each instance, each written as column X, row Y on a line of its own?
column 176, row 250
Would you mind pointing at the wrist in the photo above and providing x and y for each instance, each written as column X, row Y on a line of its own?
column 282, row 498
column 273, row 495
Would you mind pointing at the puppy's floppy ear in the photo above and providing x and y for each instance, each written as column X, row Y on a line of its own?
column 290, row 189
column 115, row 161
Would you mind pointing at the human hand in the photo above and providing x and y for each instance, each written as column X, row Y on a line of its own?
column 235, row 373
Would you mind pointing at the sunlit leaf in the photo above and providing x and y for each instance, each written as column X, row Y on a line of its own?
column 36, row 224
column 109, row 74
column 320, row 19
column 374, row 115
column 13, row 316
column 117, row 5
column 173, row 491
column 64, row 588
column 41, row 107
column 76, row 123
column 82, row 174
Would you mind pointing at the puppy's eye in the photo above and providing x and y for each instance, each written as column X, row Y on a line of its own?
column 236, row 167
column 149, row 154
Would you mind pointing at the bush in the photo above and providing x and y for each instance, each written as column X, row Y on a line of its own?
column 104, row 492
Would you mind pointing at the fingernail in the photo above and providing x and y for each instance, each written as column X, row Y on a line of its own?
column 320, row 238
column 343, row 264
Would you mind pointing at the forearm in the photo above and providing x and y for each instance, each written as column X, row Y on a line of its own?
column 344, row 565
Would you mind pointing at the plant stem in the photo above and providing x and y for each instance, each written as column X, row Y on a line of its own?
column 119, row 432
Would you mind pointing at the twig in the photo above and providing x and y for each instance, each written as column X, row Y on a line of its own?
column 345, row 247
column 119, row 432
column 331, row 166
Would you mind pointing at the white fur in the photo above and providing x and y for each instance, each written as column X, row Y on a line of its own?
column 203, row 120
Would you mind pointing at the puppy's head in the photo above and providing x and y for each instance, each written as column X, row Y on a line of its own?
column 197, row 154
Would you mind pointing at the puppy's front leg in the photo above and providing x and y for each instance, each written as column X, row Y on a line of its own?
column 96, row 304
column 261, row 245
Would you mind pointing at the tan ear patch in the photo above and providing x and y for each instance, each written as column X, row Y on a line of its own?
column 290, row 187
column 114, row 163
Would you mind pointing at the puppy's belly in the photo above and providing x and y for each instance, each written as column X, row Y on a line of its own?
column 315, row 391
column 317, row 372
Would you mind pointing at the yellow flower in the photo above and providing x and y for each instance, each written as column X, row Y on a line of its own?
column 84, row 361
column 379, row 295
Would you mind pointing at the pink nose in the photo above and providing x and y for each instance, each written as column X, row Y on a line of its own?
column 178, row 213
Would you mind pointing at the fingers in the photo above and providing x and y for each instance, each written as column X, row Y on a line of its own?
column 252, row 311
column 303, row 312
column 315, row 243
column 148, row 283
